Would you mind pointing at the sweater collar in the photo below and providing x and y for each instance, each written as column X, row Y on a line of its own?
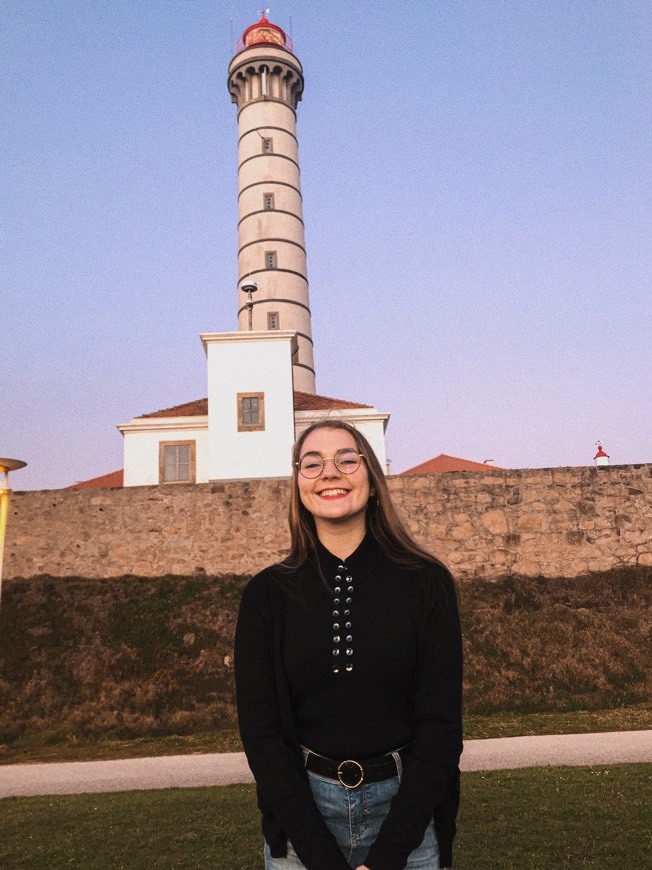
column 359, row 564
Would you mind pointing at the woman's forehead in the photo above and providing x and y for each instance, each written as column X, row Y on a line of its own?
column 325, row 440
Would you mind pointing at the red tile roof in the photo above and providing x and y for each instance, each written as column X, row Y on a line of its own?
column 443, row 463
column 312, row 402
column 105, row 481
column 198, row 408
column 302, row 402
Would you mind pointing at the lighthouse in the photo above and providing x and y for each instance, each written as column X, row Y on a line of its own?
column 266, row 83
column 261, row 378
column 601, row 458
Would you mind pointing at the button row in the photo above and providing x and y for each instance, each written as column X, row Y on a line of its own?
column 342, row 595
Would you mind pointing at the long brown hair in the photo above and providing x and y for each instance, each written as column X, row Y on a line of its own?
column 383, row 522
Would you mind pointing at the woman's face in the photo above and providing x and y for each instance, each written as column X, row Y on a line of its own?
column 334, row 497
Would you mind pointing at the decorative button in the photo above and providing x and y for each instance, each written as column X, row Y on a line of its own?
column 337, row 590
column 349, row 651
column 349, row 668
column 350, row 589
column 349, row 579
column 341, row 567
column 347, row 625
column 348, row 601
column 336, row 652
column 338, row 578
column 337, row 601
column 346, row 613
column 349, row 638
column 336, row 638
column 336, row 613
column 336, row 670
column 336, row 626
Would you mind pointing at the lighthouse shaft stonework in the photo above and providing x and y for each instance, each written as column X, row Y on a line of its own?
column 266, row 83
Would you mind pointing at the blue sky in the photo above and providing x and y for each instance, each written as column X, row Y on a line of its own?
column 476, row 179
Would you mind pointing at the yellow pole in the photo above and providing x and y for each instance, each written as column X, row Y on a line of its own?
column 6, row 465
column 4, row 509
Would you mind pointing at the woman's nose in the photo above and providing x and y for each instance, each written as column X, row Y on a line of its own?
column 331, row 471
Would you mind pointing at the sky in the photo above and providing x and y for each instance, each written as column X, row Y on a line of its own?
column 476, row 178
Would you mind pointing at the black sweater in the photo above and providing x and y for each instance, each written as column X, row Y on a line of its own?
column 390, row 674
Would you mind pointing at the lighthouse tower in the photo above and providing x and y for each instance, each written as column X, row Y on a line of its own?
column 266, row 83
column 260, row 379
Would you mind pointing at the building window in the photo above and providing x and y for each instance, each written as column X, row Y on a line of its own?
column 273, row 320
column 176, row 462
column 270, row 259
column 268, row 146
column 251, row 412
column 268, row 201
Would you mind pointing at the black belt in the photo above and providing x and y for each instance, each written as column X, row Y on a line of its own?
column 353, row 773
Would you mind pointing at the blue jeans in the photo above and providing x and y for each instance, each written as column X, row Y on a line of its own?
column 354, row 817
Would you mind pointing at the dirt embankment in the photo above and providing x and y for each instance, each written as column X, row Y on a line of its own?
column 135, row 657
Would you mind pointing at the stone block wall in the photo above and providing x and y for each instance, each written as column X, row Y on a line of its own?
column 554, row 522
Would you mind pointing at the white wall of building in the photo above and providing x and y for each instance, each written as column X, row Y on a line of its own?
column 141, row 446
column 250, row 362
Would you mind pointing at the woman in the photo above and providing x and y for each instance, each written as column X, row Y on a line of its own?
column 348, row 672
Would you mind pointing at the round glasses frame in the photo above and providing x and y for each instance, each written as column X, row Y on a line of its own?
column 346, row 461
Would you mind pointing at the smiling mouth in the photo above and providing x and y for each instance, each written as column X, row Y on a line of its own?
column 332, row 493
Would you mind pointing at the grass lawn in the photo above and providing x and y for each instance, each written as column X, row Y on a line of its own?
column 525, row 819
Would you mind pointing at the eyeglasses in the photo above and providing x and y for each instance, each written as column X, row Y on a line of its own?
column 346, row 461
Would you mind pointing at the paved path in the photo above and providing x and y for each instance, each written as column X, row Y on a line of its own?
column 184, row 771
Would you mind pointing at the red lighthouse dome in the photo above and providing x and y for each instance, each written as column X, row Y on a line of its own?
column 264, row 33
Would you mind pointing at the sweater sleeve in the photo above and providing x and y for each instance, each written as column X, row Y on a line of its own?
column 431, row 768
column 276, row 764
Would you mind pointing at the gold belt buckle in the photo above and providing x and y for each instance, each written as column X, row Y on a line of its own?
column 360, row 769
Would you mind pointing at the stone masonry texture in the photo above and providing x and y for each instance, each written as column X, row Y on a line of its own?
column 552, row 522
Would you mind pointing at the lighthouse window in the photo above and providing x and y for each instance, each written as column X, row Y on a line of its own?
column 251, row 412
column 270, row 259
column 268, row 201
column 268, row 146
column 176, row 462
column 273, row 320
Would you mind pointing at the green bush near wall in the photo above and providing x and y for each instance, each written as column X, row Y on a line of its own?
column 133, row 657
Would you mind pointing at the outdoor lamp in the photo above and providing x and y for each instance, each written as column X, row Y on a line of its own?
column 249, row 287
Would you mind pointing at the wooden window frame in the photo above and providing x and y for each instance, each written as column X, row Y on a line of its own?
column 271, row 260
column 268, row 202
column 270, row 315
column 251, row 427
column 192, row 461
